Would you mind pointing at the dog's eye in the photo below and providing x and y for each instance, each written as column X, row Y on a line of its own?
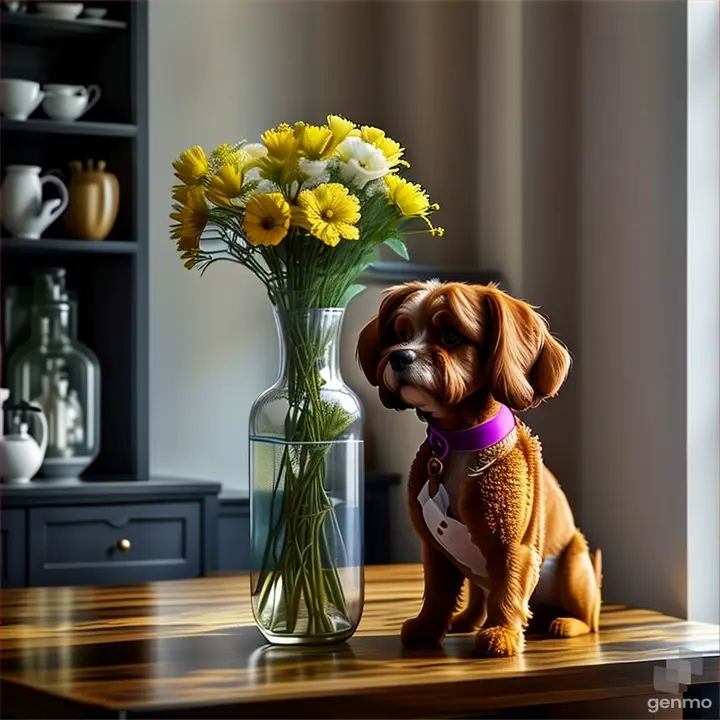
column 450, row 338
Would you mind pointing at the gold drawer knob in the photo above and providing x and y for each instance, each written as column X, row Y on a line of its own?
column 123, row 545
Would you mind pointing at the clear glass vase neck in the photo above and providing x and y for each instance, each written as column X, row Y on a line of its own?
column 309, row 338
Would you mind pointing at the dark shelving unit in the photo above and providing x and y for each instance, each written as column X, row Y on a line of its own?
column 49, row 245
column 33, row 29
column 53, row 127
column 109, row 277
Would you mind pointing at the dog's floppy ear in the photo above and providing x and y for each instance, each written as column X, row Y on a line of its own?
column 368, row 355
column 526, row 364
column 368, row 351
column 379, row 334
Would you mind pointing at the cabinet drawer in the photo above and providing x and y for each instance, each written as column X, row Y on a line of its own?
column 12, row 548
column 83, row 544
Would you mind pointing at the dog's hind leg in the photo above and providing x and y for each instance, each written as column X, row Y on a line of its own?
column 474, row 613
column 579, row 578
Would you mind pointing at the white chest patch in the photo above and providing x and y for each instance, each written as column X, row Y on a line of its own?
column 451, row 534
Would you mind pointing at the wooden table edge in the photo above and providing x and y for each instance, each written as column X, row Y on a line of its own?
column 431, row 700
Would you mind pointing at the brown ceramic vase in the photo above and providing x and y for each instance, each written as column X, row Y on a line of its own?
column 94, row 201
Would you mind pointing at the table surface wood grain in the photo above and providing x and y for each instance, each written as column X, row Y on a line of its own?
column 190, row 649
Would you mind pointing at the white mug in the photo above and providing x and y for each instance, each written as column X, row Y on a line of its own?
column 19, row 98
column 62, row 89
column 69, row 102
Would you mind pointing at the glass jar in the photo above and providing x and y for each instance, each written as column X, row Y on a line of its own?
column 306, row 489
column 54, row 370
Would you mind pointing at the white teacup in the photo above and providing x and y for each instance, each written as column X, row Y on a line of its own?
column 69, row 102
column 19, row 98
column 60, row 89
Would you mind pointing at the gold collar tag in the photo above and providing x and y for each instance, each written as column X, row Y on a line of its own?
column 434, row 470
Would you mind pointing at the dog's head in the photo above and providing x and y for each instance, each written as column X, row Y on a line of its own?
column 447, row 348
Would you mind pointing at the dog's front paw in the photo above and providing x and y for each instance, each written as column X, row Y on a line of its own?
column 498, row 641
column 419, row 632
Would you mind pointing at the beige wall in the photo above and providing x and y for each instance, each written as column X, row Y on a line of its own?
column 633, row 297
column 549, row 254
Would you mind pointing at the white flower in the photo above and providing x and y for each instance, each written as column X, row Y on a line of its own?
column 253, row 175
column 255, row 150
column 263, row 186
column 316, row 172
column 376, row 187
column 361, row 162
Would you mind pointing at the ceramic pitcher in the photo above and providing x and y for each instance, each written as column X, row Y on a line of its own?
column 24, row 214
column 94, row 201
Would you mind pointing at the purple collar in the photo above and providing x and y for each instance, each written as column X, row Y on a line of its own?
column 474, row 439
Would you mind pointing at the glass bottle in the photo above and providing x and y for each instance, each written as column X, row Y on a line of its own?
column 306, row 489
column 54, row 370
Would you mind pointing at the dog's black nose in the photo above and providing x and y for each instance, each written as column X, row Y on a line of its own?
column 400, row 359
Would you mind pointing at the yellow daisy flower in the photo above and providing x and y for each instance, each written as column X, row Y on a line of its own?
column 179, row 193
column 330, row 212
column 191, row 220
column 230, row 155
column 191, row 166
column 281, row 142
column 226, row 184
column 340, row 128
column 267, row 219
column 312, row 139
column 390, row 149
column 410, row 199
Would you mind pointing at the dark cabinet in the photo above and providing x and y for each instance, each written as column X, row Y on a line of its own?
column 106, row 533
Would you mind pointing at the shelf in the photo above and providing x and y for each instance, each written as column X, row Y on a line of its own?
column 38, row 30
column 42, row 491
column 49, row 245
column 69, row 128
column 390, row 273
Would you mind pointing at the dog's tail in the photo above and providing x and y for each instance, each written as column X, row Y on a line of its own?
column 597, row 566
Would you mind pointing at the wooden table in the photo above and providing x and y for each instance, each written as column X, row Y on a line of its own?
column 189, row 649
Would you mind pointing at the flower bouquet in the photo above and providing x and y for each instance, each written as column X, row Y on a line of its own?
column 305, row 210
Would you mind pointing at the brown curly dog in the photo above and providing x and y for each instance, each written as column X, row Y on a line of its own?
column 484, row 505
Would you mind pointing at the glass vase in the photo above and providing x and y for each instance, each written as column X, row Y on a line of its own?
column 54, row 370
column 306, row 488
